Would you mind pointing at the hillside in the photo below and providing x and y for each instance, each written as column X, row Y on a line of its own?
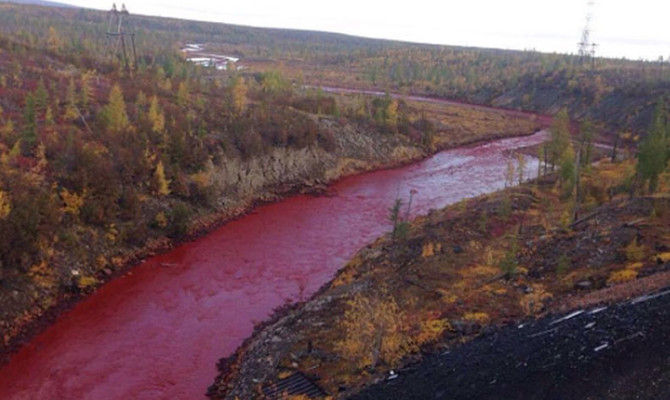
column 533, row 81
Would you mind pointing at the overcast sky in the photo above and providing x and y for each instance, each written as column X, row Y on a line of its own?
column 632, row 29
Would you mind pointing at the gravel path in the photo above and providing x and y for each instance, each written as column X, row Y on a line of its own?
column 618, row 352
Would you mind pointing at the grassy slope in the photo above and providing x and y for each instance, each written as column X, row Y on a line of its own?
column 446, row 283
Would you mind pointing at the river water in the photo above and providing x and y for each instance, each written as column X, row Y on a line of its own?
column 158, row 331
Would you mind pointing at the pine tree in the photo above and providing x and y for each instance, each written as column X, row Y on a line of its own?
column 162, row 184
column 29, row 133
column 54, row 42
column 521, row 166
column 115, row 114
column 652, row 153
column 41, row 98
column 392, row 115
column 49, row 118
column 7, row 131
column 70, row 102
column 586, row 133
column 86, row 90
column 141, row 101
column 560, row 137
column 156, row 116
column 182, row 94
column 239, row 95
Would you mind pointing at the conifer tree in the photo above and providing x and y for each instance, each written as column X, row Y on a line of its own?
column 239, row 95
column 41, row 98
column 54, row 42
column 156, row 116
column 560, row 137
column 586, row 133
column 115, row 114
column 162, row 184
column 182, row 94
column 29, row 133
column 49, row 118
column 652, row 153
column 392, row 115
column 86, row 90
column 70, row 102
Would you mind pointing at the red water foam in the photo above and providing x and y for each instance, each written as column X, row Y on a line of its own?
column 158, row 331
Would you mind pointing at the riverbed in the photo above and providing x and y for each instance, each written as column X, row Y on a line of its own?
column 157, row 332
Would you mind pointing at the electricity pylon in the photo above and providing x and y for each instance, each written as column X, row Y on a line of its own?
column 587, row 48
column 121, row 36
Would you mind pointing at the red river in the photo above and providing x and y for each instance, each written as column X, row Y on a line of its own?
column 158, row 331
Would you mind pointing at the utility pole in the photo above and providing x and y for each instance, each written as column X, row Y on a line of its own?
column 120, row 37
column 587, row 49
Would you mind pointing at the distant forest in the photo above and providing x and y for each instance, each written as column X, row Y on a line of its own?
column 598, row 89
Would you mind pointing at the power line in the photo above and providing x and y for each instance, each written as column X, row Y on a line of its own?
column 587, row 48
column 118, row 33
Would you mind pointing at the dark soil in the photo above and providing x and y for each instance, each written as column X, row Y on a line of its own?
column 621, row 352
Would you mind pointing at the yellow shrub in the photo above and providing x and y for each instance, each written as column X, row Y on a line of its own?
column 73, row 202
column 5, row 205
column 161, row 220
column 344, row 278
column 432, row 330
column 664, row 257
column 478, row 317
column 86, row 282
column 635, row 251
column 447, row 296
column 430, row 248
column 621, row 276
column 42, row 275
column 100, row 262
column 374, row 332
column 533, row 302
column 479, row 271
column 112, row 233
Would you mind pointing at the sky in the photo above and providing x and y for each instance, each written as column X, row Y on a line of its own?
column 631, row 29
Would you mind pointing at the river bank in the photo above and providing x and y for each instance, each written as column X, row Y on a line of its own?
column 462, row 271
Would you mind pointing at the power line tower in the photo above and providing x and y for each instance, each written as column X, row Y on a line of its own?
column 121, row 36
column 587, row 48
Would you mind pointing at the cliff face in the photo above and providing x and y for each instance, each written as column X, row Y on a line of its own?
column 288, row 169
